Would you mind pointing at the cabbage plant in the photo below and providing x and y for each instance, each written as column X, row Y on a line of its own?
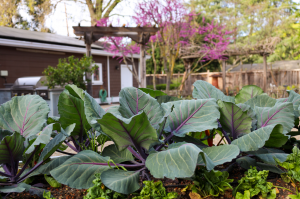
column 148, row 138
column 24, row 134
column 255, row 122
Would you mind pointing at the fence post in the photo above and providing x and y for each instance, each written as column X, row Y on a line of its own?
column 265, row 73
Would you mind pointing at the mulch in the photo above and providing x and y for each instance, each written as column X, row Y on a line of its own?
column 176, row 185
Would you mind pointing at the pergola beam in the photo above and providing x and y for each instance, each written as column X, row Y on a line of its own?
column 140, row 35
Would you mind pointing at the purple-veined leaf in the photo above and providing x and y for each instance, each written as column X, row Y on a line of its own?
column 11, row 148
column 121, row 181
column 259, row 138
column 204, row 90
column 293, row 98
column 137, row 133
column 250, row 112
column 71, row 110
column 234, row 120
column 192, row 116
column 79, row 170
column 178, row 161
column 262, row 100
column 247, row 92
column 281, row 113
column 24, row 114
column 133, row 101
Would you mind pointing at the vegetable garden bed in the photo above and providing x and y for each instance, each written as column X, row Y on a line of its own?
column 154, row 136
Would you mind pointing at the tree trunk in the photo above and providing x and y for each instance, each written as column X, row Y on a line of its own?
column 168, row 75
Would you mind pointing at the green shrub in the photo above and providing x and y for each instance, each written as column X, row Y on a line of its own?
column 69, row 71
column 163, row 86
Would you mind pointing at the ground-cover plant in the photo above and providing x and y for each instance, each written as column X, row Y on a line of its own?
column 155, row 190
column 255, row 183
column 210, row 183
column 99, row 191
column 47, row 195
column 144, row 133
column 24, row 134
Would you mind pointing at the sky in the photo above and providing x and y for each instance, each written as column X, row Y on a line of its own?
column 78, row 13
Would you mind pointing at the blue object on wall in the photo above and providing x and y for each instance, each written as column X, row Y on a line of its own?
column 103, row 95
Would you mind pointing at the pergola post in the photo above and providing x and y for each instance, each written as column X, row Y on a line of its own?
column 265, row 73
column 143, row 66
column 224, row 75
column 88, row 76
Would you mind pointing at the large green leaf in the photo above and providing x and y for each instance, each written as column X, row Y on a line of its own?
column 250, row 112
column 71, row 109
column 116, row 155
column 261, row 101
column 166, row 98
column 220, row 154
column 78, row 171
column 138, row 133
column 257, row 139
column 24, row 114
column 192, row 116
column 54, row 144
column 15, row 188
column 247, row 92
column 133, row 101
column 12, row 148
column 121, row 181
column 269, row 157
column 54, row 163
column 295, row 99
column 152, row 93
column 93, row 111
column 246, row 162
column 204, row 90
column 234, row 120
column 43, row 138
column 281, row 113
column 179, row 161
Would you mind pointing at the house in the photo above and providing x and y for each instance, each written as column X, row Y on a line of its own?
column 27, row 53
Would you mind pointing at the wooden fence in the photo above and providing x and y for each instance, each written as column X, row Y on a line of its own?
column 236, row 80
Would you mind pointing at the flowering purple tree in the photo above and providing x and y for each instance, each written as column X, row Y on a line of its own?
column 178, row 30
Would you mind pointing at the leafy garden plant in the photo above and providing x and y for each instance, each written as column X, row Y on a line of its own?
column 155, row 190
column 152, row 133
column 210, row 183
column 24, row 134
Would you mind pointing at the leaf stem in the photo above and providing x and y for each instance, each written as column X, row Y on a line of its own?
column 225, row 134
column 27, row 162
column 135, row 154
column 120, row 165
column 165, row 141
column 29, row 172
column 72, row 147
column 5, row 174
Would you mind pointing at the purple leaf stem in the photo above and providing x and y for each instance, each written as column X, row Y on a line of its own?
column 63, row 152
column 135, row 154
column 165, row 141
column 75, row 144
column 4, row 166
column 5, row 174
column 225, row 134
column 26, row 163
column 29, row 172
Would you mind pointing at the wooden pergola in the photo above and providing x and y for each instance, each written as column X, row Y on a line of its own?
column 140, row 35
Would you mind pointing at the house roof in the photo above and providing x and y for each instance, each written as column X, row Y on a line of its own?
column 42, row 37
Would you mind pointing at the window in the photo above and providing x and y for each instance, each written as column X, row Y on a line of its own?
column 97, row 77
